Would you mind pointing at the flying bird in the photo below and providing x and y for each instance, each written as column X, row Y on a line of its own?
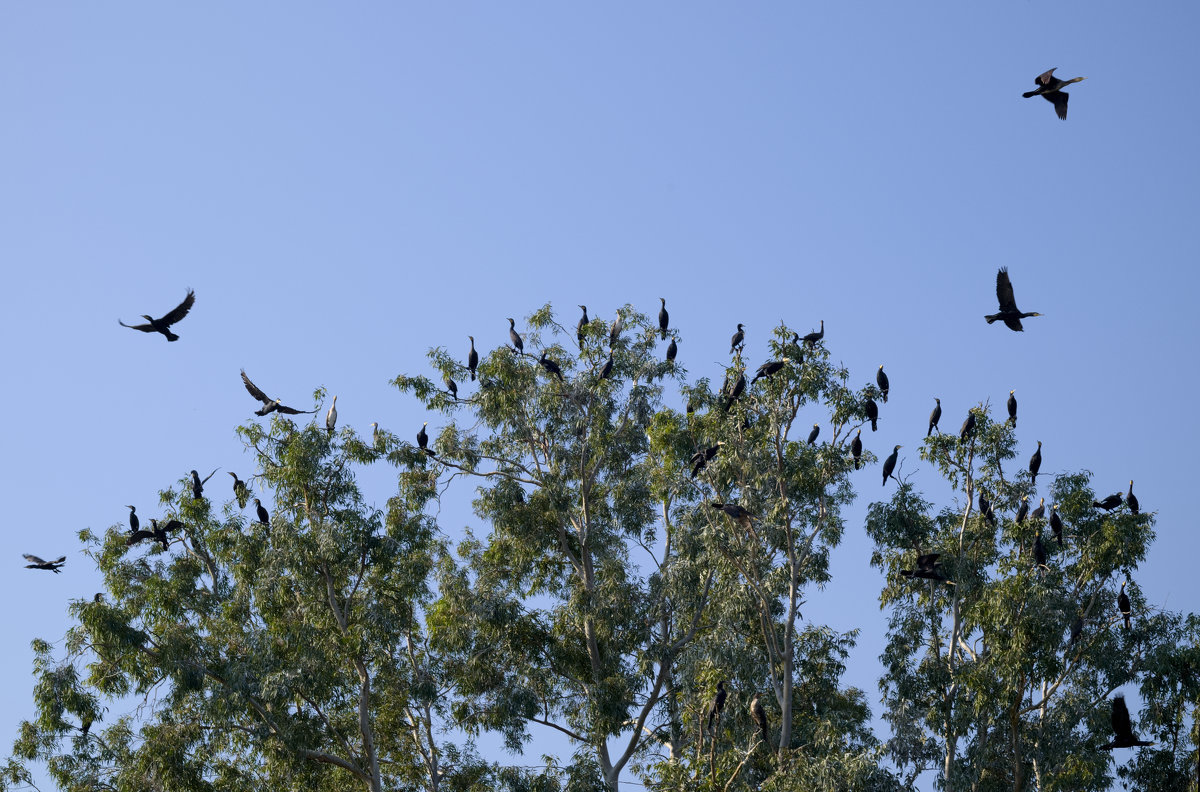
column 1009, row 313
column 1050, row 88
column 269, row 405
column 37, row 563
column 934, row 417
column 1123, row 728
column 163, row 324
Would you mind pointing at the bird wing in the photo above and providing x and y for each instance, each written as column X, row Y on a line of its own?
column 210, row 475
column 181, row 310
column 928, row 561
column 1045, row 77
column 1120, row 720
column 1004, row 292
column 145, row 328
column 33, row 559
column 1059, row 100
column 292, row 410
column 255, row 391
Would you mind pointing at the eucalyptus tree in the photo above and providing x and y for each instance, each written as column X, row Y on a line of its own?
column 1000, row 677
column 248, row 655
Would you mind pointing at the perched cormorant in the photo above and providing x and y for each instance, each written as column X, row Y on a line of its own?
column 934, row 417
column 881, row 380
column 767, row 369
column 717, row 707
column 985, row 508
column 472, row 358
column 734, row 511
column 614, row 332
column 889, row 465
column 1109, row 503
column 663, row 317
column 760, row 717
column 1039, row 551
column 1123, row 728
column 550, row 366
column 163, row 325
column 331, row 417
column 240, row 491
column 198, row 483
column 582, row 326
column 1009, row 313
column 968, row 427
column 133, row 519
column 376, row 435
column 1012, row 408
column 1056, row 524
column 1131, row 499
column 873, row 414
column 423, row 439
column 856, row 448
column 261, row 510
column 1123, row 605
column 269, row 405
column 515, row 337
column 701, row 458
column 737, row 340
column 1035, row 463
column 813, row 338
column 812, row 436
column 37, row 563
column 928, row 568
column 608, row 366
column 1050, row 88
column 735, row 390
column 672, row 350
column 1076, row 631
column 1040, row 511
column 1023, row 510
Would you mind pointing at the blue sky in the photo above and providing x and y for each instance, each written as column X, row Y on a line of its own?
column 345, row 187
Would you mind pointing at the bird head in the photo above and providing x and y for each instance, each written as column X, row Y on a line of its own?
column 1024, row 497
column 897, row 448
column 1011, row 392
column 936, row 399
column 425, row 424
column 1039, row 443
column 739, row 325
column 233, row 474
column 663, row 300
column 472, row 339
column 511, row 322
column 881, row 367
column 257, row 502
column 584, row 307
column 134, row 508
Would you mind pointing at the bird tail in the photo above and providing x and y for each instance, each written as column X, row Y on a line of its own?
column 991, row 319
column 1028, row 94
column 472, row 376
column 1126, row 621
column 171, row 336
column 874, row 426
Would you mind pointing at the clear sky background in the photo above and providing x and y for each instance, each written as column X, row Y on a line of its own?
column 347, row 185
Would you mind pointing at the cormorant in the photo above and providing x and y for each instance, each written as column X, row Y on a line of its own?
column 163, row 325
column 1050, row 88
column 985, row 508
column 1122, row 727
column 331, row 417
column 1039, row 551
column 928, row 568
column 423, row 439
column 136, row 537
column 550, row 366
column 1009, row 313
column 263, row 517
column 760, row 717
column 133, row 519
column 735, row 390
column 812, row 436
column 1056, row 524
column 672, row 350
column 614, row 332
column 701, row 458
column 663, row 317
column 240, row 491
column 376, row 436
column 767, row 369
column 813, row 338
column 579, row 328
column 1131, row 499
column 1076, row 631
column 1012, row 408
column 1035, row 463
column 269, row 405
column 198, row 483
column 515, row 337
column 934, row 417
column 1109, row 503
column 733, row 510
column 881, row 380
column 472, row 358
column 1040, row 511
column 968, row 427
column 37, row 563
column 608, row 366
column 1023, row 510
column 873, row 414
column 1123, row 605
column 856, row 448
column 737, row 340
column 889, row 465
column 717, row 707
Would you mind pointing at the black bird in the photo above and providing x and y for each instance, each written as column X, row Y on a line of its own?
column 1056, row 524
column 269, row 405
column 331, row 417
column 1009, row 313
column 968, row 427
column 889, row 465
column 423, row 439
column 37, row 563
column 812, row 436
column 881, row 380
column 472, row 359
column 737, row 340
column 85, row 726
column 614, row 332
column 451, row 386
column 608, row 366
column 138, row 536
column 163, row 325
column 717, row 707
column 873, row 414
column 1035, row 463
column 795, row 352
column 1012, row 408
column 579, row 328
column 133, row 519
column 1039, row 551
column 1040, row 511
column 985, row 508
column 856, row 448
column 928, row 568
column 263, row 516
column 1123, row 728
column 672, row 350
column 735, row 391
column 1050, row 88
column 701, row 458
column 760, row 717
column 1123, row 605
column 733, row 510
column 240, row 491
column 1076, row 631
column 1131, row 499
column 1023, row 510
column 663, row 317
column 813, row 338
column 1109, row 503
column 934, row 417
column 198, row 483
column 767, row 369
column 550, row 366
column 515, row 337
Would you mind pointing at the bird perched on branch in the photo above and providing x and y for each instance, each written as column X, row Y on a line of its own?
column 1131, row 499
column 1050, row 88
column 163, row 324
column 1040, row 511
column 240, row 491
column 889, row 465
column 1012, row 408
column 881, row 380
column 37, row 563
column 472, row 359
column 672, row 351
column 423, row 439
column 198, row 483
column 581, row 327
column 968, row 427
column 717, row 706
column 269, row 405
column 331, row 417
column 263, row 516
column 1124, row 606
column 812, row 338
column 928, row 568
column 701, row 458
column 1109, row 503
column 1056, row 524
column 759, row 715
column 133, row 519
column 664, row 318
column 737, row 340
column 515, row 337
column 856, row 448
column 1023, row 509
column 873, row 414
column 934, row 417
column 1035, row 463
column 767, row 369
column 1123, row 728
column 1009, row 313
column 812, row 436
column 733, row 510
column 985, row 508
column 550, row 366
